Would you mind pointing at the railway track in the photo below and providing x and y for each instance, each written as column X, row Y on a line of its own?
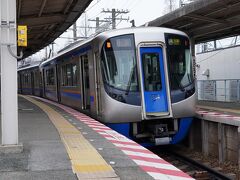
column 195, row 169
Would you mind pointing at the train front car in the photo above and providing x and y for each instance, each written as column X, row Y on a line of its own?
column 148, row 86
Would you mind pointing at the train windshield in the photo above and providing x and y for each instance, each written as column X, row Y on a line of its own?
column 118, row 63
column 179, row 61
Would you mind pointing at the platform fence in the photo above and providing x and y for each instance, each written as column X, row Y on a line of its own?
column 223, row 90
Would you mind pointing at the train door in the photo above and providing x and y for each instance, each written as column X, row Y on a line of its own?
column 85, row 82
column 155, row 96
column 97, row 83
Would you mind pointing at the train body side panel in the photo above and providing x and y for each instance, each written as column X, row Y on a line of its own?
column 69, row 92
column 50, row 87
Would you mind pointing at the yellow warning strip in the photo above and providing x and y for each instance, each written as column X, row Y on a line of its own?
column 86, row 161
column 236, row 111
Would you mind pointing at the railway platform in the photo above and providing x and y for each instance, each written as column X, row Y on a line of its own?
column 62, row 143
column 216, row 131
column 226, row 113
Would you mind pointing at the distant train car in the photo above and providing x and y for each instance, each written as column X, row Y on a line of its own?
column 137, row 80
column 29, row 80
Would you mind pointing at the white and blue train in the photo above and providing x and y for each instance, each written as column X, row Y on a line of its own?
column 138, row 81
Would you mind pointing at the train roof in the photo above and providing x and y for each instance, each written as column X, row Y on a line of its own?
column 29, row 66
column 115, row 32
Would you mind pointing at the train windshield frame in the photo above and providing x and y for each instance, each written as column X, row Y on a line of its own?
column 179, row 61
column 119, row 63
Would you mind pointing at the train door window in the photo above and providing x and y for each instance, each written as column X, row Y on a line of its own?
column 74, row 74
column 151, row 69
column 24, row 80
column 32, row 82
column 27, row 79
column 64, row 75
column 97, row 83
column 85, row 82
column 86, row 71
column 36, row 79
column 69, row 74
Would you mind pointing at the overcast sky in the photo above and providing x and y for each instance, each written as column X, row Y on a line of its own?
column 141, row 11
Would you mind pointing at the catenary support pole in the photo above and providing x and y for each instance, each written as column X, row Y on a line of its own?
column 9, row 114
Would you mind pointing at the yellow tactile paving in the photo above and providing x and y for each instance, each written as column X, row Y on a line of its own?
column 87, row 163
column 236, row 111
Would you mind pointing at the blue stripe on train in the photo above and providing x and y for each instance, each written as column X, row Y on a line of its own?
column 184, row 127
column 71, row 95
column 122, row 128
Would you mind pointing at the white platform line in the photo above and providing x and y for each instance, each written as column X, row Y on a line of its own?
column 156, row 165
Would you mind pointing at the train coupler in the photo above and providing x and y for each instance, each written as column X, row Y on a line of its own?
column 162, row 140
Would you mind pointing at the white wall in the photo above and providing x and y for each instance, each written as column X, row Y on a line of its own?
column 222, row 64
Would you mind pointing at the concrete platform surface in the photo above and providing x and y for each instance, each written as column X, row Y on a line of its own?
column 45, row 156
column 220, row 112
column 231, row 107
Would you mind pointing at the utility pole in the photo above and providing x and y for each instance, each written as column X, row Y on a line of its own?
column 170, row 5
column 46, row 53
column 85, row 25
column 98, row 21
column 115, row 13
column 97, row 24
column 113, row 18
column 75, row 31
column 52, row 48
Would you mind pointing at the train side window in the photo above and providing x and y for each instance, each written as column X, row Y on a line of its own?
column 69, row 75
column 50, row 77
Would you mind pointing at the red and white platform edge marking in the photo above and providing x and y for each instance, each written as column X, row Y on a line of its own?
column 217, row 114
column 155, row 166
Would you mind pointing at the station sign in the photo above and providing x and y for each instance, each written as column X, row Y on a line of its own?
column 22, row 35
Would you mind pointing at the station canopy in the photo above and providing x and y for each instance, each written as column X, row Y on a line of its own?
column 204, row 20
column 47, row 19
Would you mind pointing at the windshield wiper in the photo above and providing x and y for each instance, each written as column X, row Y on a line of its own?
column 190, row 80
column 178, row 83
column 130, row 80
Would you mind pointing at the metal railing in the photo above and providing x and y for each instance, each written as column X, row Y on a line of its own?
column 224, row 90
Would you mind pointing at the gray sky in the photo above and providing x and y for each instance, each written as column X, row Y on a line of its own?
column 141, row 11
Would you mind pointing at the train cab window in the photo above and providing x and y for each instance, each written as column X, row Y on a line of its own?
column 151, row 71
column 179, row 61
column 118, row 63
column 50, row 78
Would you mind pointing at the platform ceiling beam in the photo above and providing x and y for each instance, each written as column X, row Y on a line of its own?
column 53, row 16
column 204, row 20
column 42, row 7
